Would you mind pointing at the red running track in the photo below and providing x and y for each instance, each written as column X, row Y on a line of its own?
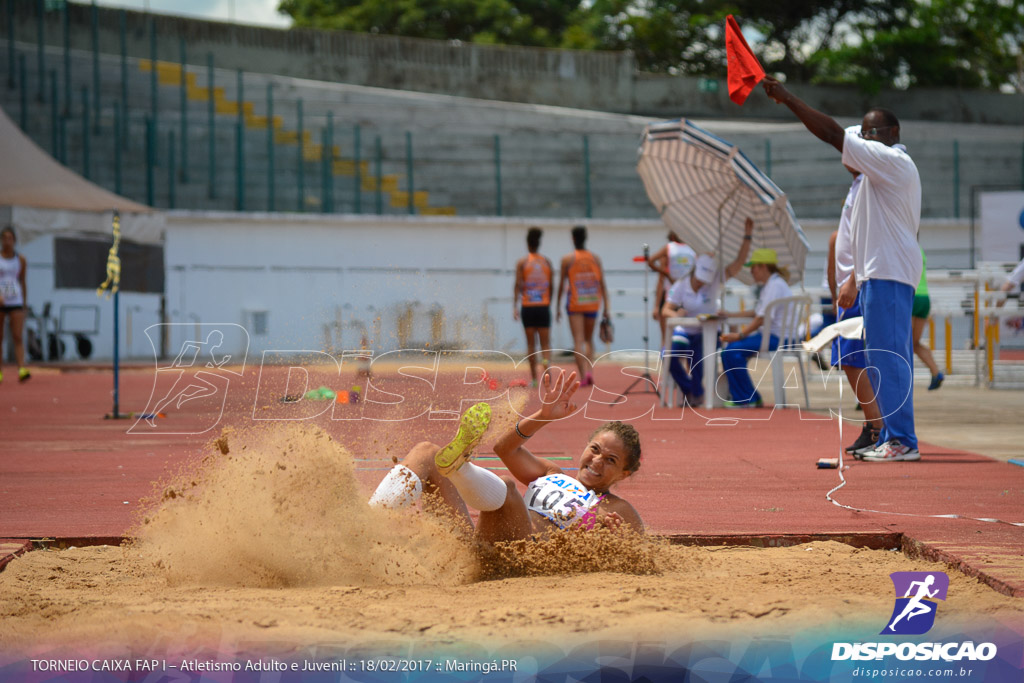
column 722, row 476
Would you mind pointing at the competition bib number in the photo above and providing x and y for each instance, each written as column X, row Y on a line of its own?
column 537, row 284
column 536, row 293
column 588, row 289
column 559, row 498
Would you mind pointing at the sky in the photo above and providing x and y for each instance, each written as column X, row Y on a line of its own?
column 257, row 12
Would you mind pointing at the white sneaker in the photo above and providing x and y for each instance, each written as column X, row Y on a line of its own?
column 892, row 451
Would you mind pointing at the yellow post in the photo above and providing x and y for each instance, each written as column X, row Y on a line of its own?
column 989, row 352
column 977, row 319
column 931, row 333
column 949, row 345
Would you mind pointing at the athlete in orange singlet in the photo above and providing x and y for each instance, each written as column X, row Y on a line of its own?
column 582, row 271
column 534, row 281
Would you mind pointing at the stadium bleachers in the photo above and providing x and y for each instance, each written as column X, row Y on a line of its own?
column 457, row 155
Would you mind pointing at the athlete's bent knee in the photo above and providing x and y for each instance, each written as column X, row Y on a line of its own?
column 424, row 451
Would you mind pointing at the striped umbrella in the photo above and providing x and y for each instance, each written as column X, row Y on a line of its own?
column 705, row 188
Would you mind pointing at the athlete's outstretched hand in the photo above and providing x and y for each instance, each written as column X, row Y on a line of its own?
column 610, row 520
column 556, row 394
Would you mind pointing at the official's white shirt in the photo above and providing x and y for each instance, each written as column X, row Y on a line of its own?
column 704, row 300
column 1017, row 276
column 775, row 288
column 844, row 240
column 886, row 213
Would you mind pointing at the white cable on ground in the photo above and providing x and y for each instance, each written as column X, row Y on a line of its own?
column 843, row 330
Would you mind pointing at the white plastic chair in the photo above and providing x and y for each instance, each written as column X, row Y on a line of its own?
column 796, row 310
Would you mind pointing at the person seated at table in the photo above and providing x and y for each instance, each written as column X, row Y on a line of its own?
column 693, row 295
column 742, row 345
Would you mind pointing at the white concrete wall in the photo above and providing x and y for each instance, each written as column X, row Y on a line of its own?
column 310, row 272
column 138, row 311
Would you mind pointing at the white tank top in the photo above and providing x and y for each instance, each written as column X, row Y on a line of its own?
column 681, row 258
column 10, row 285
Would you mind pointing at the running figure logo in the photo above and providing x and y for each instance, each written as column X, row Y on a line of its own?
column 198, row 377
column 914, row 612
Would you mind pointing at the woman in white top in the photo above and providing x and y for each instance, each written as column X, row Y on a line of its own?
column 673, row 262
column 12, row 298
column 746, row 343
column 691, row 296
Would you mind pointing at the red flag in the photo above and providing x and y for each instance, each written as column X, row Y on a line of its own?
column 744, row 70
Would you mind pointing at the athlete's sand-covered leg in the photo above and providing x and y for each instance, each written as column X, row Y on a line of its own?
column 446, row 471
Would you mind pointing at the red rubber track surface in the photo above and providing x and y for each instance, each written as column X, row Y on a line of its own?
column 721, row 476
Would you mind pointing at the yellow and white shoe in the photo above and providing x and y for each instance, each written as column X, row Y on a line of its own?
column 472, row 427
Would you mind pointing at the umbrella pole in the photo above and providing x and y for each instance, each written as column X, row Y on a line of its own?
column 719, row 254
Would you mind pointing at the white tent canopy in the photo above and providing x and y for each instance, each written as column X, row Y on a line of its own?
column 40, row 196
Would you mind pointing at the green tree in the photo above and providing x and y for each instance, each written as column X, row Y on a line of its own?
column 665, row 36
column 870, row 43
column 794, row 32
column 687, row 36
column 512, row 22
column 941, row 43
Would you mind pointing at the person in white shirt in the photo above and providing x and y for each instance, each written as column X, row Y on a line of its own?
column 695, row 294
column 1013, row 280
column 12, row 298
column 672, row 263
column 743, row 345
column 884, row 225
column 849, row 353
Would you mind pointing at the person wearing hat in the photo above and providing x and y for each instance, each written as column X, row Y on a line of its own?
column 884, row 225
column 693, row 295
column 742, row 345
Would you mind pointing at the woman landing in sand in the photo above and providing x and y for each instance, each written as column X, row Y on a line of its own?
column 553, row 499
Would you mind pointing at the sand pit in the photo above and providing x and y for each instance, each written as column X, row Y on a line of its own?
column 104, row 601
column 268, row 546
